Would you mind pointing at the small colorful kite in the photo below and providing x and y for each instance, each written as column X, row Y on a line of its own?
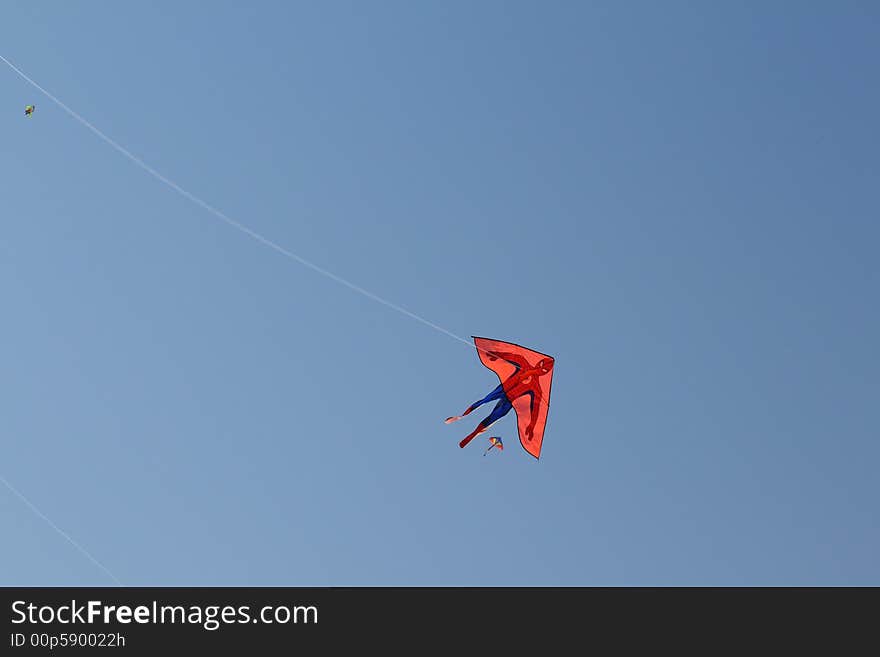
column 525, row 377
column 29, row 109
column 494, row 441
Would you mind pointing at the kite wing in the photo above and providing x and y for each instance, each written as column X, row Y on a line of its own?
column 526, row 412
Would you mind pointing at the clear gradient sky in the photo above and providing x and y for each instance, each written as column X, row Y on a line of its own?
column 677, row 200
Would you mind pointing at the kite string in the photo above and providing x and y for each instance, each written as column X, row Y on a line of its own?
column 64, row 534
column 225, row 218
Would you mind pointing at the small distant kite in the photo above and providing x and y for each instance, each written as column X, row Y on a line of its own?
column 29, row 109
column 494, row 441
column 525, row 377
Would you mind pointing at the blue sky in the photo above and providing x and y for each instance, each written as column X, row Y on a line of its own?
column 677, row 201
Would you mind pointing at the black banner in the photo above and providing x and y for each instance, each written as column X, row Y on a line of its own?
column 364, row 620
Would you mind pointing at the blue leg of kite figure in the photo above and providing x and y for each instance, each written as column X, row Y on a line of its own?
column 498, row 393
column 502, row 408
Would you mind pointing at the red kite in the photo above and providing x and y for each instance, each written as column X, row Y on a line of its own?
column 525, row 378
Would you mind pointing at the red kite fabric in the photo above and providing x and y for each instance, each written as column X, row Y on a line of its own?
column 525, row 378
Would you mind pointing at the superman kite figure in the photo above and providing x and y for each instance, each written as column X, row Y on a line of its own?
column 525, row 377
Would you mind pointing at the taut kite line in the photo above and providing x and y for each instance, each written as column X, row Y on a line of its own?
column 222, row 216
